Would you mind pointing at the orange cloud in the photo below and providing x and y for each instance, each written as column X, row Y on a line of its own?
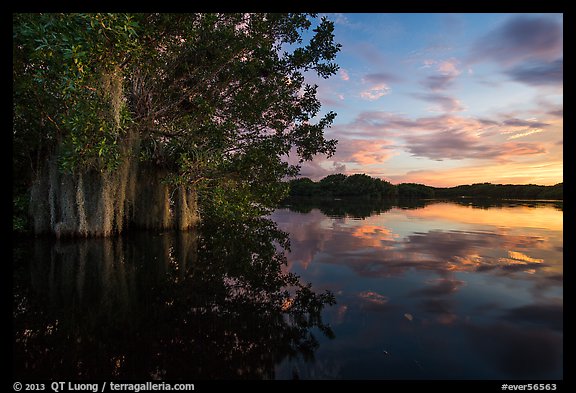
column 374, row 235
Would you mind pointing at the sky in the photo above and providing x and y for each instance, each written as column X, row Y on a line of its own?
column 445, row 99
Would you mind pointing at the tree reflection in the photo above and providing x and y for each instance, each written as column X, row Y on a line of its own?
column 346, row 207
column 213, row 305
column 358, row 207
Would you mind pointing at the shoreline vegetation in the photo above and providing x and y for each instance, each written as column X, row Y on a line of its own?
column 159, row 121
column 364, row 186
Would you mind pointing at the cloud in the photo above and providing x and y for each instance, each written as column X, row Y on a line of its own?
column 511, row 338
column 440, row 287
column 316, row 171
column 521, row 128
column 348, row 151
column 363, row 152
column 343, row 74
column 449, row 67
column 446, row 136
column 459, row 145
column 438, row 82
column 372, row 248
column 524, row 123
column 376, row 124
column 448, row 71
column 308, row 240
column 557, row 112
column 519, row 39
column 443, row 309
column 539, row 73
column 445, row 103
column 373, row 137
column 375, row 92
column 526, row 133
column 441, row 252
column 381, row 77
column 373, row 297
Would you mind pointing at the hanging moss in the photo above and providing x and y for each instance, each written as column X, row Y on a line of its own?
column 94, row 204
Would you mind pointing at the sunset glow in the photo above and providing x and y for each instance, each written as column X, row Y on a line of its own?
column 446, row 99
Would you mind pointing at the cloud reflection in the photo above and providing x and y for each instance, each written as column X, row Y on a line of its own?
column 440, row 287
column 373, row 297
column 454, row 291
column 371, row 248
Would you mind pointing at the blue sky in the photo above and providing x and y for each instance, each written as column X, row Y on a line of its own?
column 446, row 99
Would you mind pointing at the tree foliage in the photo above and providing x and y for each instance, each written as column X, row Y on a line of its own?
column 340, row 185
column 517, row 191
column 215, row 99
column 415, row 190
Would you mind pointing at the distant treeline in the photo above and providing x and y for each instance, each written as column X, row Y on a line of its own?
column 361, row 185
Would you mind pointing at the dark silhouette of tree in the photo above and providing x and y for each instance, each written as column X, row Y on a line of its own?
column 362, row 185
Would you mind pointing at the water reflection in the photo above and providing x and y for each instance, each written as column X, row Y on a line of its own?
column 214, row 305
column 436, row 290
column 366, row 207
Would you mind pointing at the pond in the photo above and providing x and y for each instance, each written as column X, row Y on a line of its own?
column 421, row 290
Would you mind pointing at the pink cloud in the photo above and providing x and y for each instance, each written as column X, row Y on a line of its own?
column 443, row 137
column 343, row 74
column 374, row 137
column 449, row 67
column 447, row 73
column 375, row 92
column 363, row 152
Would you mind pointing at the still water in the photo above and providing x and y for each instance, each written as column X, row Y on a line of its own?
column 436, row 291
column 427, row 290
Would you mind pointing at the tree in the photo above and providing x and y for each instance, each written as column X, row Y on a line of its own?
column 358, row 185
column 209, row 102
column 415, row 190
column 302, row 186
column 332, row 184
